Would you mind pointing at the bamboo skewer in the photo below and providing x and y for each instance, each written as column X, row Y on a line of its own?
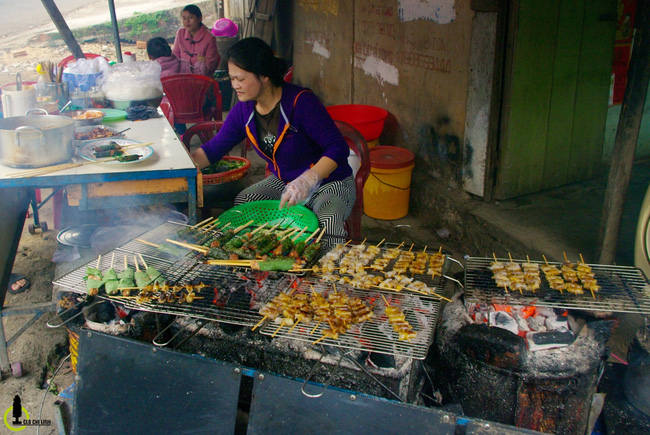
column 241, row 227
column 277, row 330
column 142, row 259
column 259, row 323
column 147, row 243
column 198, row 248
column 312, row 235
column 294, row 238
column 320, row 236
column 56, row 168
column 200, row 224
column 259, row 228
column 237, row 263
column 320, row 339
column 382, row 241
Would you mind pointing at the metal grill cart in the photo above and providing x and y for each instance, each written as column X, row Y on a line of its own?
column 335, row 381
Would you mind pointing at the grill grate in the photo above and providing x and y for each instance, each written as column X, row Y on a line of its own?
column 230, row 296
column 376, row 334
column 624, row 289
column 436, row 283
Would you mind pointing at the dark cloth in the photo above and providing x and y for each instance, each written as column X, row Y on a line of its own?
column 140, row 113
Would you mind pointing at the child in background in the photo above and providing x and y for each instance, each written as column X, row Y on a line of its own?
column 159, row 50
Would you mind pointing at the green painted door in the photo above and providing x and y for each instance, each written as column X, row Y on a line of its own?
column 556, row 89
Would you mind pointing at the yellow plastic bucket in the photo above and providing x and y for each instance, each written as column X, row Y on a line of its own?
column 387, row 191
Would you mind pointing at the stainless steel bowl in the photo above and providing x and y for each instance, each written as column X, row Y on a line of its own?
column 123, row 105
column 80, row 122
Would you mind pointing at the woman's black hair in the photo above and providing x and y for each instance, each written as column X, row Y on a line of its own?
column 158, row 47
column 256, row 56
column 194, row 10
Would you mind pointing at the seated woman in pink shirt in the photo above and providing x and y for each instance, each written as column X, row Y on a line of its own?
column 195, row 43
column 159, row 50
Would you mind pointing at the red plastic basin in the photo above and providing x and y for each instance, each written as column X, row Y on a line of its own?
column 369, row 120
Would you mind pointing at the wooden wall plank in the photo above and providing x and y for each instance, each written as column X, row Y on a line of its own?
column 522, row 152
column 593, row 88
column 563, row 94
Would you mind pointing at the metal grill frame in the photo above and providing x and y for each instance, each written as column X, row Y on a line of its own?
column 437, row 283
column 624, row 289
column 421, row 310
column 362, row 337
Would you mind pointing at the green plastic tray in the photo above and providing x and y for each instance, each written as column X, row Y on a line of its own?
column 112, row 115
column 268, row 211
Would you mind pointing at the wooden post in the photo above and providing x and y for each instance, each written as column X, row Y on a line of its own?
column 627, row 134
column 63, row 28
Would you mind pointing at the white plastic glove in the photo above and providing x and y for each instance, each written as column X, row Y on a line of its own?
column 300, row 189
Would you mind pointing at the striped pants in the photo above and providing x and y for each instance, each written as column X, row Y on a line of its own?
column 332, row 202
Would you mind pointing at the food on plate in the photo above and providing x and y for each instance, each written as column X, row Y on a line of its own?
column 128, row 158
column 95, row 133
column 89, row 114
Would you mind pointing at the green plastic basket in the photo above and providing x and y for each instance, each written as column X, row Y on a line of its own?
column 268, row 211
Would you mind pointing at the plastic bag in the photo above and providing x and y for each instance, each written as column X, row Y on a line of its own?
column 133, row 81
column 85, row 73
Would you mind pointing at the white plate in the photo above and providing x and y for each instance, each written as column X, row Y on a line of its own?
column 90, row 128
column 88, row 151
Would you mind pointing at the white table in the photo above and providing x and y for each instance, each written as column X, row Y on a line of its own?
column 168, row 176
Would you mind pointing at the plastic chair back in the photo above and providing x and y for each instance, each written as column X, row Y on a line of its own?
column 358, row 144
column 66, row 60
column 288, row 75
column 187, row 95
column 205, row 131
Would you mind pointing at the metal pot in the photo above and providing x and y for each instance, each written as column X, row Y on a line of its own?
column 36, row 141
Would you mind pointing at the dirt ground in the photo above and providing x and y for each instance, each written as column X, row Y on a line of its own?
column 39, row 349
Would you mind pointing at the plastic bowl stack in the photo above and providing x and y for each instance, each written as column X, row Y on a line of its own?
column 225, row 28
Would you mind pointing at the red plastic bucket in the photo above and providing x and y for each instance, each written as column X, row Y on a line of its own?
column 369, row 120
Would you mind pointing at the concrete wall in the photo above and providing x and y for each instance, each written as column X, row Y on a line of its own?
column 409, row 57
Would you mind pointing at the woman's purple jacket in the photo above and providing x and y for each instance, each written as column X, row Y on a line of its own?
column 311, row 135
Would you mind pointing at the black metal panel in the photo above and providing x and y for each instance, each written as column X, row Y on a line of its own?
column 482, row 427
column 279, row 404
column 125, row 386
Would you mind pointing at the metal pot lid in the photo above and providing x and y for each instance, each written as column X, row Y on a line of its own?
column 79, row 235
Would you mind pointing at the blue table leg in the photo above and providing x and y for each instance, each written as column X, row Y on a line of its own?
column 15, row 203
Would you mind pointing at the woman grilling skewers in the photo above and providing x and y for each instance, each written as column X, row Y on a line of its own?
column 292, row 131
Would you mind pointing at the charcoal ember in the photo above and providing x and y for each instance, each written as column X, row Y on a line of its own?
column 495, row 346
